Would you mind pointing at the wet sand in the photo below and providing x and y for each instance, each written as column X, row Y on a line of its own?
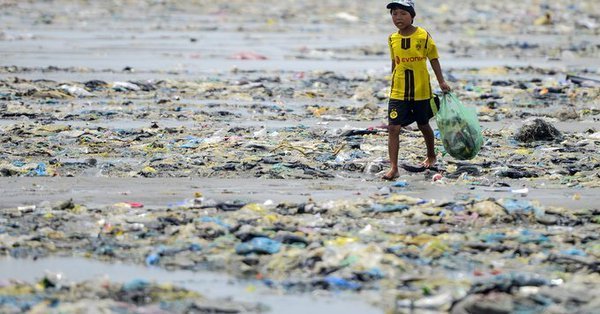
column 168, row 192
column 250, row 102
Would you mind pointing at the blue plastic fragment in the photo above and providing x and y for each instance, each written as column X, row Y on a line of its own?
column 341, row 283
column 517, row 206
column 40, row 170
column 573, row 252
column 135, row 284
column 268, row 282
column 400, row 184
column 195, row 247
column 214, row 220
column 528, row 236
column 258, row 245
column 456, row 207
column 376, row 272
column 152, row 259
column 514, row 206
column 192, row 142
column 494, row 237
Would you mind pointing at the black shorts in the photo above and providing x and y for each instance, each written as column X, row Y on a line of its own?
column 405, row 112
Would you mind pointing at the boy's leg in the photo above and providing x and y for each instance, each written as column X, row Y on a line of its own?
column 423, row 113
column 399, row 114
column 429, row 142
column 393, row 147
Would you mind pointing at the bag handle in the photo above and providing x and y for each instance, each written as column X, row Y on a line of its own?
column 450, row 95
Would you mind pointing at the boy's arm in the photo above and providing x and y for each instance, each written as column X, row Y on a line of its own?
column 437, row 69
column 391, row 53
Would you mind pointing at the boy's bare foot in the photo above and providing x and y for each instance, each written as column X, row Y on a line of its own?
column 429, row 162
column 391, row 175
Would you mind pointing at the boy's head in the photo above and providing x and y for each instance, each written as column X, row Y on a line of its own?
column 406, row 5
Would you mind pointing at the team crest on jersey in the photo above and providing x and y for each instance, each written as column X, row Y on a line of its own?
column 419, row 45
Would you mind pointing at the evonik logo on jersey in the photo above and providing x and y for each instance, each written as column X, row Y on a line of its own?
column 411, row 59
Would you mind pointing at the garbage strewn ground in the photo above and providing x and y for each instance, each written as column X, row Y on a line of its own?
column 251, row 139
column 218, row 130
column 428, row 254
column 51, row 295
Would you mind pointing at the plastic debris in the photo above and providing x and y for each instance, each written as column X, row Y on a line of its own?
column 288, row 146
column 400, row 184
column 103, row 296
column 459, row 128
column 259, row 245
column 538, row 130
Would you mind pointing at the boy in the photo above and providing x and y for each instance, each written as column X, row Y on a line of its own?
column 411, row 96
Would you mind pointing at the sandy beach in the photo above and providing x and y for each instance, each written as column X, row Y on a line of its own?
column 244, row 141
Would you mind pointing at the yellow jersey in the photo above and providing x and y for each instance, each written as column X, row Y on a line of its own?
column 410, row 79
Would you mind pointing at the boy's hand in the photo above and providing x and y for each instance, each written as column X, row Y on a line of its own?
column 445, row 87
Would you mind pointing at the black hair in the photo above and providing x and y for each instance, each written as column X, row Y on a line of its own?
column 408, row 9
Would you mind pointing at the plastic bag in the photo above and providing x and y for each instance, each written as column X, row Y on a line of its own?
column 459, row 128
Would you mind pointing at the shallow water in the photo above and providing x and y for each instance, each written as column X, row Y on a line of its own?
column 159, row 192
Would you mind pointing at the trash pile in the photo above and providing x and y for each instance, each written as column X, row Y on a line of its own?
column 53, row 295
column 422, row 253
column 538, row 130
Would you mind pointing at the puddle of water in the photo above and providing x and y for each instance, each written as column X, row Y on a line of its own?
column 211, row 285
column 272, row 125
